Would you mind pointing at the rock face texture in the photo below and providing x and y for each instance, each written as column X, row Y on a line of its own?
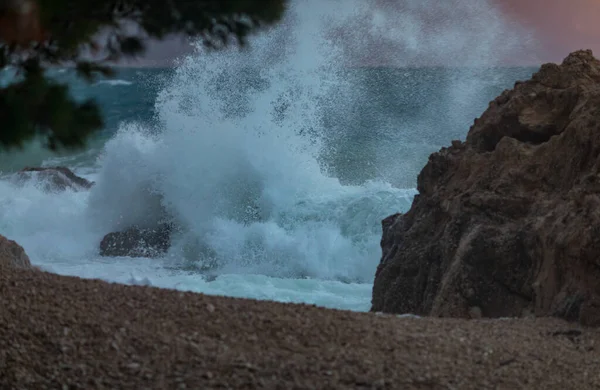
column 137, row 242
column 508, row 222
column 55, row 179
column 12, row 254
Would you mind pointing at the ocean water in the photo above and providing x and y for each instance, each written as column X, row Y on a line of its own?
column 276, row 164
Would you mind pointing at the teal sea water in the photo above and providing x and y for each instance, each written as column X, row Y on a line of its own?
column 276, row 168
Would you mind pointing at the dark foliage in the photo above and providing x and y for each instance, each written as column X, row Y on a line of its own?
column 35, row 34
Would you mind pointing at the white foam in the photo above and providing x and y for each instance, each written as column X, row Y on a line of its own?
column 235, row 160
column 114, row 83
column 240, row 177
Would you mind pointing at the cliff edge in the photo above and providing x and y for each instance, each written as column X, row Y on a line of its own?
column 507, row 223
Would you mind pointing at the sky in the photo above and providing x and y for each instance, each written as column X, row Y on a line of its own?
column 560, row 26
column 554, row 28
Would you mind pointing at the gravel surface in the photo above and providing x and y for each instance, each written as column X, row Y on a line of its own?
column 68, row 333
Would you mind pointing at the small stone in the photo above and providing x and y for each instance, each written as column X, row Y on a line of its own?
column 475, row 312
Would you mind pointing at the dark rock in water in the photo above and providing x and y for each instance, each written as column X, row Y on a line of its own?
column 55, row 179
column 508, row 222
column 13, row 254
column 137, row 242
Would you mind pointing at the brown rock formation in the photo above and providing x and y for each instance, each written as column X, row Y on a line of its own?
column 137, row 242
column 508, row 222
column 12, row 254
column 55, row 179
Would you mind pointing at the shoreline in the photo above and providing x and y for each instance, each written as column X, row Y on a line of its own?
column 67, row 332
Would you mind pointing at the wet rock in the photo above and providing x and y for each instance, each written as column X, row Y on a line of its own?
column 508, row 221
column 137, row 242
column 13, row 254
column 55, row 179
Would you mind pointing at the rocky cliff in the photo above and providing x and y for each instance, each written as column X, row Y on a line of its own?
column 54, row 179
column 12, row 254
column 507, row 223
